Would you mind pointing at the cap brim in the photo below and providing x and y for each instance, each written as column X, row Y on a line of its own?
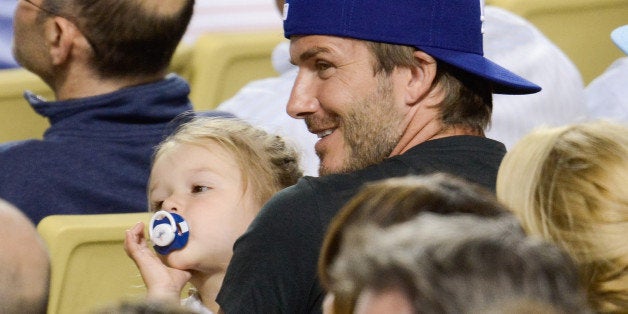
column 503, row 81
column 620, row 38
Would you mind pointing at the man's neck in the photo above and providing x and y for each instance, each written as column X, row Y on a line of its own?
column 423, row 124
column 431, row 131
column 89, row 84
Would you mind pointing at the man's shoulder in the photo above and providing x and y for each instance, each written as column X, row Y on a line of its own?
column 462, row 143
column 6, row 148
column 312, row 200
column 321, row 189
column 307, row 192
column 19, row 149
column 23, row 169
column 20, row 160
column 473, row 158
column 471, row 150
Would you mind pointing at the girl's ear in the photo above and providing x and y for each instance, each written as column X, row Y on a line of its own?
column 421, row 77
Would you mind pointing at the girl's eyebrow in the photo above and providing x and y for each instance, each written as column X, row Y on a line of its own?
column 151, row 189
column 153, row 185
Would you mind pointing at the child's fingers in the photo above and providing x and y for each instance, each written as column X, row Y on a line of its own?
column 134, row 239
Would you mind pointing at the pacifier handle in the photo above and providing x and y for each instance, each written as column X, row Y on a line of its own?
column 169, row 235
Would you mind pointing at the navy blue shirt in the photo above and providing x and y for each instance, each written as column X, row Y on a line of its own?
column 96, row 155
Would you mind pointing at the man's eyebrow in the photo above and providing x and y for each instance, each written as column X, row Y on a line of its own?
column 311, row 53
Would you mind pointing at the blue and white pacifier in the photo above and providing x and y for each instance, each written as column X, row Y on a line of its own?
column 168, row 231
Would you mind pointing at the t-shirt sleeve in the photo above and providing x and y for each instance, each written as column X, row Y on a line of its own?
column 273, row 268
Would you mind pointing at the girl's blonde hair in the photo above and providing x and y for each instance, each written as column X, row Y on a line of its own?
column 570, row 186
column 266, row 161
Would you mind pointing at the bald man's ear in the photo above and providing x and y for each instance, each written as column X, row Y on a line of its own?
column 421, row 78
column 61, row 35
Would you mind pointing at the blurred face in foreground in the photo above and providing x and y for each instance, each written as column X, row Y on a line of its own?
column 386, row 301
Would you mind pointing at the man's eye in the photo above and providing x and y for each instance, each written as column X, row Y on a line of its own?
column 199, row 189
column 322, row 66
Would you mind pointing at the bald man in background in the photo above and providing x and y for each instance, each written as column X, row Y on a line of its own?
column 107, row 63
column 25, row 271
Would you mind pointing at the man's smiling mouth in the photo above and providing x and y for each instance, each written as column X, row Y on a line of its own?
column 324, row 133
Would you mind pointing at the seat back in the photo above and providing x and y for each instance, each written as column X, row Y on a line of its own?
column 180, row 62
column 581, row 28
column 89, row 266
column 18, row 121
column 222, row 63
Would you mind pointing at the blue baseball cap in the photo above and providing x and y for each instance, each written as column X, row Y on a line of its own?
column 448, row 30
column 620, row 38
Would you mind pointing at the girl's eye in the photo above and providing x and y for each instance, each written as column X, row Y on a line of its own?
column 199, row 189
column 156, row 206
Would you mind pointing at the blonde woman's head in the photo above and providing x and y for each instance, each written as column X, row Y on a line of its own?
column 570, row 185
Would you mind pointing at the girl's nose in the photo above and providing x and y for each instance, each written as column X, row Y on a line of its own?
column 171, row 205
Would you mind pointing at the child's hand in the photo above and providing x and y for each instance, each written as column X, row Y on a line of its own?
column 162, row 282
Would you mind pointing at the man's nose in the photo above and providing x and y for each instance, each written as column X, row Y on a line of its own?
column 303, row 100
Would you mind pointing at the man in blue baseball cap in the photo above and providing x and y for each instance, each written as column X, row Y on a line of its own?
column 391, row 88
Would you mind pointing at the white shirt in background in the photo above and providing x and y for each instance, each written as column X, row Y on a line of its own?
column 607, row 95
column 520, row 47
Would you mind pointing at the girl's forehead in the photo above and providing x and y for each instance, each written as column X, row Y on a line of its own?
column 186, row 159
column 205, row 147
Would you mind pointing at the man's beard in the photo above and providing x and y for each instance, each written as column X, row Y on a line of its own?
column 371, row 130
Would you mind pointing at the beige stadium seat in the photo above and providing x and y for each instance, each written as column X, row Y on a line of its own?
column 180, row 62
column 89, row 266
column 18, row 121
column 222, row 63
column 581, row 28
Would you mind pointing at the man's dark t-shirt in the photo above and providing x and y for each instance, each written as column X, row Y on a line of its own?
column 273, row 269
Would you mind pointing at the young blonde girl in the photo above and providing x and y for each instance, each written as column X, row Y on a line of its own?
column 216, row 174
column 569, row 185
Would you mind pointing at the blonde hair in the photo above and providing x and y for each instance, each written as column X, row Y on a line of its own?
column 267, row 162
column 569, row 185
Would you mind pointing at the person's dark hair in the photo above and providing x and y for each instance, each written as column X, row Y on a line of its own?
column 128, row 38
column 143, row 307
column 397, row 200
column 468, row 101
column 458, row 264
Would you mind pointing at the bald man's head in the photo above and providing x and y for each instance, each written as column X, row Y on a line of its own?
column 129, row 38
column 25, row 271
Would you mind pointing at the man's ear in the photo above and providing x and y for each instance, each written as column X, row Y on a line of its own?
column 421, row 77
column 60, row 35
